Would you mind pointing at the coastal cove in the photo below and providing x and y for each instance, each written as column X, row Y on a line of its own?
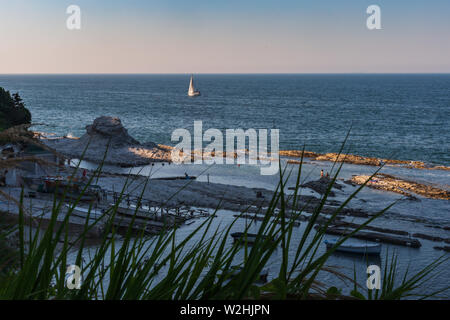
column 234, row 189
column 216, row 159
column 160, row 195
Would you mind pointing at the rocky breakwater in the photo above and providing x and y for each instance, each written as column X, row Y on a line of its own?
column 405, row 187
column 106, row 135
column 358, row 160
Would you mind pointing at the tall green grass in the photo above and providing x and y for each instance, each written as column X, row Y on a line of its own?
column 136, row 266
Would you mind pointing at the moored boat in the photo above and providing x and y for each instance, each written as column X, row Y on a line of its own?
column 356, row 248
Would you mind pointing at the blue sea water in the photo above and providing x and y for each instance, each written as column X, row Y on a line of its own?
column 390, row 116
column 403, row 116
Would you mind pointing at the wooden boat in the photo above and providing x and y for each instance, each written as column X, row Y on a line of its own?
column 250, row 238
column 356, row 248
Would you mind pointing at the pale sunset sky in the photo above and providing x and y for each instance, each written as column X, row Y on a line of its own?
column 228, row 36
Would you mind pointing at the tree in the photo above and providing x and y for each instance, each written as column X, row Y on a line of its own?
column 12, row 110
column 18, row 102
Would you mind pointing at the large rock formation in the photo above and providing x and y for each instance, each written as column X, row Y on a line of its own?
column 107, row 134
column 110, row 130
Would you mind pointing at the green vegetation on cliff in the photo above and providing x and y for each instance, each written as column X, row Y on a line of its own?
column 12, row 110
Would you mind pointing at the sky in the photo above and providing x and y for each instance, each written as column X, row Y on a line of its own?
column 210, row 36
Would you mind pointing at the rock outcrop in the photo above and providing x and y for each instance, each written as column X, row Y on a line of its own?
column 108, row 135
column 109, row 128
column 359, row 160
column 387, row 182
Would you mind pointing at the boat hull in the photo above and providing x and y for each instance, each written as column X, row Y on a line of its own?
column 369, row 249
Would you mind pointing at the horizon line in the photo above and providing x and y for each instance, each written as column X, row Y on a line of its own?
column 223, row 73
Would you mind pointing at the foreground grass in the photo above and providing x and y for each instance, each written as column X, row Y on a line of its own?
column 194, row 267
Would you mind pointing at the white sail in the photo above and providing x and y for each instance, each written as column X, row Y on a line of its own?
column 191, row 86
column 191, row 91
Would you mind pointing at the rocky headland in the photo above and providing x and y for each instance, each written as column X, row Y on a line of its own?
column 106, row 139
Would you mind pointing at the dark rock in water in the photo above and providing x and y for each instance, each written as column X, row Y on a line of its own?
column 445, row 248
column 321, row 186
column 428, row 237
column 433, row 226
column 350, row 182
column 374, row 236
column 345, row 224
column 355, row 212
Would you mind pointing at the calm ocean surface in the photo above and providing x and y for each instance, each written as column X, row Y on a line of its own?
column 392, row 116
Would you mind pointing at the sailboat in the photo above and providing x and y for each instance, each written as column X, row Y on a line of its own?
column 191, row 91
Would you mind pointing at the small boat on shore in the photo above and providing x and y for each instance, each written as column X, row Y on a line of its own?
column 356, row 248
column 250, row 238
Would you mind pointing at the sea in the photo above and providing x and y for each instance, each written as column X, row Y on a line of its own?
column 399, row 116
column 396, row 116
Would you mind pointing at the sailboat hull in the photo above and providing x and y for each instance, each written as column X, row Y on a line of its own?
column 194, row 94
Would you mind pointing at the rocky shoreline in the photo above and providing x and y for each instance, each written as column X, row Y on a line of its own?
column 390, row 183
column 107, row 135
column 359, row 160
